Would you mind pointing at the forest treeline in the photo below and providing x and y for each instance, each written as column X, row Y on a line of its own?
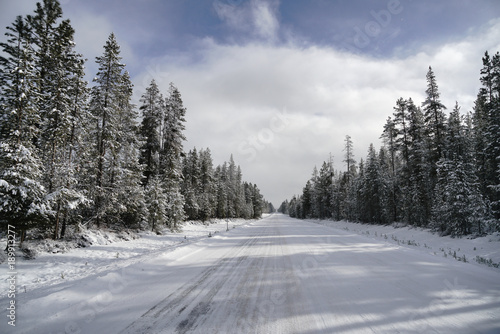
column 436, row 169
column 73, row 153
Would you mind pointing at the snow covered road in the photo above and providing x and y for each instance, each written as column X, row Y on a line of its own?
column 275, row 275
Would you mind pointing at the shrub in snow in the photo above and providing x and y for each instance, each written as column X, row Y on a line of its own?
column 29, row 253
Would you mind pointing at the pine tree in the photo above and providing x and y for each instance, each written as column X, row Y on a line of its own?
column 435, row 118
column 241, row 209
column 207, row 198
column 349, row 157
column 106, row 100
column 126, row 179
column 307, row 200
column 486, row 121
column 459, row 208
column 324, row 191
column 170, row 156
column 232, row 189
column 401, row 124
column 157, row 203
column 153, row 111
column 221, row 176
column 371, row 189
column 480, row 122
column 389, row 137
column 257, row 201
column 418, row 186
column 315, row 203
column 491, row 80
column 190, row 184
column 18, row 96
column 22, row 195
column 347, row 190
column 62, row 90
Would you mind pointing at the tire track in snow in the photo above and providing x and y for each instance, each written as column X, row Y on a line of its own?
column 179, row 305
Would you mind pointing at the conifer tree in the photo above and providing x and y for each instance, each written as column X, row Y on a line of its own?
column 232, row 189
column 401, row 124
column 127, row 174
column 459, row 208
column 307, row 200
column 349, row 157
column 347, row 189
column 157, row 203
column 389, row 137
column 22, row 195
column 480, row 126
column 486, row 133
column 418, row 184
column 257, row 201
column 62, row 92
column 221, row 176
column 371, row 189
column 171, row 154
column 153, row 111
column 324, row 191
column 106, row 100
column 207, row 191
column 190, row 184
column 491, row 81
column 434, row 116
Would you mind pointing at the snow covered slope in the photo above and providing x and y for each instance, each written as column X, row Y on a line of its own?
column 275, row 275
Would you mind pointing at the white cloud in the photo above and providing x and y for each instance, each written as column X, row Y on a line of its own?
column 258, row 18
column 234, row 16
column 236, row 93
column 265, row 21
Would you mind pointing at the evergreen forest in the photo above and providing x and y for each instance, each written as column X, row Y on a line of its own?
column 436, row 169
column 74, row 153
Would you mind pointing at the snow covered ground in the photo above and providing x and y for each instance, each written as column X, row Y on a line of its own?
column 58, row 262
column 484, row 250
column 275, row 275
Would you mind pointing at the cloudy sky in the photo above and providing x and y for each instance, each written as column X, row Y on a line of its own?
column 279, row 84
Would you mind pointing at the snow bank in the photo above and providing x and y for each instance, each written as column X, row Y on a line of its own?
column 91, row 252
column 483, row 250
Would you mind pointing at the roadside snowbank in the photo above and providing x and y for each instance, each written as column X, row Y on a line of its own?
column 97, row 251
column 483, row 250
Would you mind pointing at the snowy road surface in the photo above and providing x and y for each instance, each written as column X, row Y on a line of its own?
column 275, row 275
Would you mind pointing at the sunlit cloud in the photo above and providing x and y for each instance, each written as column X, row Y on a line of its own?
column 236, row 91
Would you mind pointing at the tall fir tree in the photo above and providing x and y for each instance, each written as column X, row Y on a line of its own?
column 435, row 118
column 153, row 111
column 126, row 179
column 109, row 106
column 349, row 157
column 371, row 189
column 417, row 176
column 486, row 121
column 221, row 176
column 60, row 85
column 401, row 125
column 459, row 207
column 191, row 184
column 491, row 81
column 171, row 155
column 157, row 203
column 324, row 191
column 208, row 192
column 22, row 195
column 389, row 137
